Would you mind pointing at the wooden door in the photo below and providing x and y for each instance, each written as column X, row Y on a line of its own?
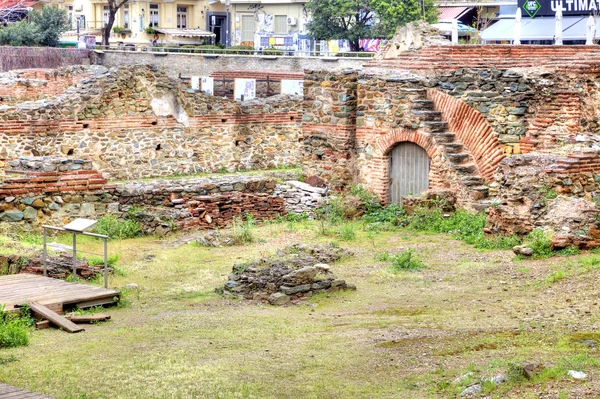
column 409, row 171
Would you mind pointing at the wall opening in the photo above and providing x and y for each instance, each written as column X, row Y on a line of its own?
column 408, row 171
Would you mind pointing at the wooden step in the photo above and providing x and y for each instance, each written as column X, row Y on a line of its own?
column 54, row 318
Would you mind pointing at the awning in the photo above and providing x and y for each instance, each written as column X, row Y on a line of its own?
column 185, row 32
column 537, row 29
column 452, row 12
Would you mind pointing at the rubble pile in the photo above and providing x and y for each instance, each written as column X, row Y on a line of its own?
column 293, row 273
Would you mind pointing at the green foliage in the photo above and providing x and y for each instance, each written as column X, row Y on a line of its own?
column 404, row 261
column 149, row 30
column 20, row 33
column 272, row 51
column 347, row 232
column 243, row 50
column 569, row 251
column 14, row 329
column 548, row 193
column 357, row 19
column 556, row 276
column 52, row 21
column 117, row 29
column 99, row 261
column 8, row 359
column 540, row 242
column 243, row 230
column 393, row 214
column 296, row 217
column 115, row 227
column 364, row 54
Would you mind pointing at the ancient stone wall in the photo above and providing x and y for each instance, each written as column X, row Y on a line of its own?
column 37, row 84
column 136, row 122
column 40, row 190
column 176, row 64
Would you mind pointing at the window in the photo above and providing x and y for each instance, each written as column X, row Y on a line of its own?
column 105, row 15
column 182, row 17
column 280, row 25
column 153, row 15
column 264, row 41
column 126, row 16
column 72, row 23
column 247, row 28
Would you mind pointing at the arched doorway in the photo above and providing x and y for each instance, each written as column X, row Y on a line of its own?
column 409, row 170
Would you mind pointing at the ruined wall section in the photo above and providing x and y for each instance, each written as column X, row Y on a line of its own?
column 329, row 126
column 137, row 122
column 38, row 84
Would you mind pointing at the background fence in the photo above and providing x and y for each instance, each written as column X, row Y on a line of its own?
column 39, row 57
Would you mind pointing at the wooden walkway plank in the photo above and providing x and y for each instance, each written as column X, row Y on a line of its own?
column 17, row 289
column 10, row 392
column 54, row 318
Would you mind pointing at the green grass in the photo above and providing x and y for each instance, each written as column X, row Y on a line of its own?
column 407, row 335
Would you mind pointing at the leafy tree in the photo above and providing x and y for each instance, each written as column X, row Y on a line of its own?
column 353, row 20
column 20, row 33
column 113, row 7
column 51, row 22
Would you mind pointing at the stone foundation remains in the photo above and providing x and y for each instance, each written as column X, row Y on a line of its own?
column 294, row 273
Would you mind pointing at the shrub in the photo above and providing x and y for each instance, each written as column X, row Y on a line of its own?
column 243, row 230
column 51, row 21
column 540, row 242
column 243, row 50
column 272, row 51
column 115, row 227
column 14, row 329
column 406, row 260
column 20, row 33
column 117, row 29
column 346, row 232
column 149, row 30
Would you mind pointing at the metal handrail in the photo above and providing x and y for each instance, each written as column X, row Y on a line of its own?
column 74, row 250
column 234, row 52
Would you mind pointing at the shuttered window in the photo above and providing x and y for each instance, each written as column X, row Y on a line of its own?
column 280, row 26
column 248, row 28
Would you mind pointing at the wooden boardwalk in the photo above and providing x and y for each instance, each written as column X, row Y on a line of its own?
column 9, row 392
column 17, row 289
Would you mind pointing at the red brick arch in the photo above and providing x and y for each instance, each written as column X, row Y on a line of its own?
column 380, row 162
column 472, row 129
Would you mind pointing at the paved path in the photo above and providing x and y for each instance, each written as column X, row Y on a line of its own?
column 8, row 392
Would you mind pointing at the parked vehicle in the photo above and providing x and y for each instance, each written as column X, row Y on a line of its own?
column 445, row 27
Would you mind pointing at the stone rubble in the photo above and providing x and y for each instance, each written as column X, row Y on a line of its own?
column 294, row 273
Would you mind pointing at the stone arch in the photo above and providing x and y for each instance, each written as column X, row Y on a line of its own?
column 473, row 130
column 379, row 164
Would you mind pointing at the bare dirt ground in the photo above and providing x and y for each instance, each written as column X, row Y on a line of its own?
column 431, row 333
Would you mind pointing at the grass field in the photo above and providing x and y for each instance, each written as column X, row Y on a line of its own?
column 428, row 333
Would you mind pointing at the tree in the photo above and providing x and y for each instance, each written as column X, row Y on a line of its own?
column 51, row 22
column 20, row 33
column 113, row 7
column 353, row 20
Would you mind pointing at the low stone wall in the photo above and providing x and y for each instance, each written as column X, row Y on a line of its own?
column 13, row 57
column 40, row 191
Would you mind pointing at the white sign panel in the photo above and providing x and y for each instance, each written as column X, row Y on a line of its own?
column 196, row 82
column 208, row 85
column 292, row 87
column 246, row 88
